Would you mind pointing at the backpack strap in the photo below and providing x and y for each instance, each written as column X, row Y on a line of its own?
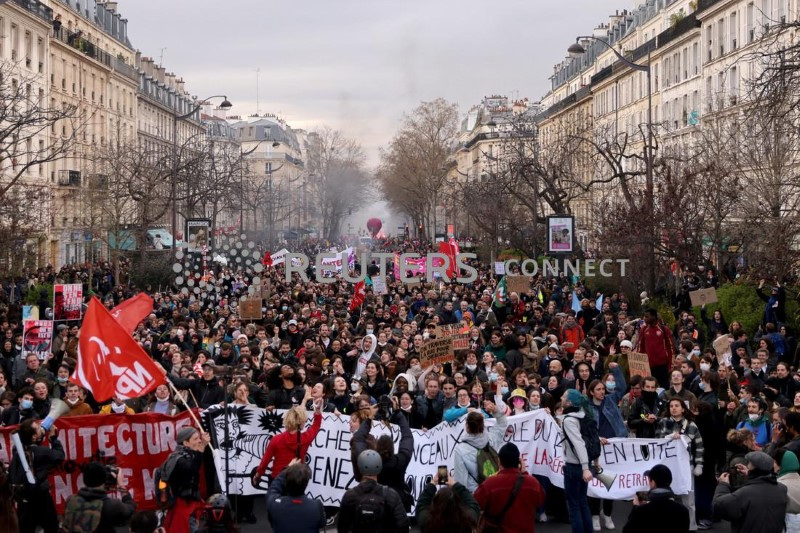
column 298, row 443
column 509, row 503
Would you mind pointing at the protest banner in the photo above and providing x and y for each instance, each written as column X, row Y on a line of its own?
column 67, row 301
column 436, row 352
column 379, row 285
column 37, row 337
column 639, row 364
column 703, row 297
column 536, row 434
column 250, row 309
column 518, row 284
column 136, row 444
column 459, row 335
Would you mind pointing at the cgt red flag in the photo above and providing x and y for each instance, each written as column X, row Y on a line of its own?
column 110, row 362
column 451, row 251
column 267, row 259
column 132, row 311
column 359, row 295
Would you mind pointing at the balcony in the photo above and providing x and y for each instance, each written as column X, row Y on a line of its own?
column 76, row 41
column 126, row 70
column 37, row 8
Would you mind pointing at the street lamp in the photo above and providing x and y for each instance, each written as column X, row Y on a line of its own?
column 225, row 105
column 576, row 50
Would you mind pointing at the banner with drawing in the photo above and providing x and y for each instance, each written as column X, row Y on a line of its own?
column 537, row 435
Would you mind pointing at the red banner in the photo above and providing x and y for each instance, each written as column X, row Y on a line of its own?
column 136, row 444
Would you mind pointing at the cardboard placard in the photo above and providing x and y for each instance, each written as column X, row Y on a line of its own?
column 500, row 268
column 250, row 309
column 638, row 364
column 266, row 289
column 456, row 333
column 379, row 285
column 703, row 297
column 518, row 284
column 436, row 351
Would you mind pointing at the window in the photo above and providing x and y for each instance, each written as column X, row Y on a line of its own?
column 734, row 32
column 14, row 41
column 766, row 13
column 667, row 73
column 710, row 42
column 696, row 58
column 685, row 63
column 709, row 95
column 721, row 36
column 734, row 85
column 40, row 54
column 751, row 31
column 780, row 15
column 28, row 49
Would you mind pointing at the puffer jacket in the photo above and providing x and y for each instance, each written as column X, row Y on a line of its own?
column 465, row 469
column 759, row 506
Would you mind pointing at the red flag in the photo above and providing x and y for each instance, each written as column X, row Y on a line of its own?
column 110, row 362
column 132, row 311
column 450, row 251
column 359, row 295
column 267, row 259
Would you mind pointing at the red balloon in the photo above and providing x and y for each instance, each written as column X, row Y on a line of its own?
column 374, row 225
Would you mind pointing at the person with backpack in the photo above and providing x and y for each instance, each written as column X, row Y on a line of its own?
column 289, row 509
column 475, row 456
column 510, row 499
column 35, row 506
column 370, row 507
column 91, row 510
column 581, row 448
column 180, row 476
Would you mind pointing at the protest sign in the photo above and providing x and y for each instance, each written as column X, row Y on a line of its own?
column 518, row 284
column 136, row 444
column 500, row 268
column 703, row 297
column 436, row 352
column 459, row 335
column 536, row 434
column 67, row 301
column 30, row 312
column 250, row 309
column 638, row 364
column 37, row 337
column 379, row 285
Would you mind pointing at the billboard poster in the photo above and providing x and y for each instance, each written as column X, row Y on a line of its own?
column 67, row 301
column 198, row 234
column 560, row 234
column 37, row 337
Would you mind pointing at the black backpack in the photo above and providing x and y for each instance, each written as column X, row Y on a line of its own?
column 370, row 511
column 164, row 494
column 591, row 438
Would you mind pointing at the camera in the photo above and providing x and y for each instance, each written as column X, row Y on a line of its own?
column 384, row 408
column 111, row 476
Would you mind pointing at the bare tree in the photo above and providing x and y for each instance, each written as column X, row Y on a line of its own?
column 338, row 182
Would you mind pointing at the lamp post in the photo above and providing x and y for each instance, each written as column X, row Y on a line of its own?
column 225, row 105
column 576, row 50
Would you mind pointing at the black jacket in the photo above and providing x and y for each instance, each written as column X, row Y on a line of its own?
column 115, row 513
column 44, row 460
column 395, row 519
column 661, row 515
column 184, row 478
column 759, row 506
column 207, row 393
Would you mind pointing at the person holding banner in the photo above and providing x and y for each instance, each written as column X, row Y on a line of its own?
column 577, row 474
column 182, row 473
column 476, row 438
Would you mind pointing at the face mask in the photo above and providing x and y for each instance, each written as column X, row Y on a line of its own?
column 416, row 368
column 284, row 307
column 611, row 385
column 119, row 409
column 472, row 368
column 26, row 404
column 695, row 352
column 425, row 334
column 504, row 390
column 702, row 386
column 62, row 380
column 493, row 376
column 369, row 332
column 354, row 387
column 72, row 402
column 753, row 418
column 534, row 406
column 705, row 367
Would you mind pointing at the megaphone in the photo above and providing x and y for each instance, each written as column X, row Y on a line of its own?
column 57, row 408
column 606, row 479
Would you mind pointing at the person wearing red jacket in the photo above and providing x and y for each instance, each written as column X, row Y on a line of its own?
column 292, row 443
column 655, row 339
column 571, row 332
column 495, row 494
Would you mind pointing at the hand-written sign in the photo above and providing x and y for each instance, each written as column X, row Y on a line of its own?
column 459, row 335
column 638, row 364
column 436, row 352
column 703, row 297
column 379, row 285
column 518, row 284
column 250, row 309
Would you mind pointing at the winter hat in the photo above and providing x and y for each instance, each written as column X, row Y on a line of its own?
column 509, row 455
column 94, row 475
column 575, row 397
column 185, row 434
column 761, row 462
column 789, row 464
column 626, row 344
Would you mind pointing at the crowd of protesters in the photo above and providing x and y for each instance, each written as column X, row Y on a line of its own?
column 736, row 403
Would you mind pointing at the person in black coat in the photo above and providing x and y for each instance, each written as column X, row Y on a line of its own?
column 206, row 390
column 114, row 513
column 660, row 513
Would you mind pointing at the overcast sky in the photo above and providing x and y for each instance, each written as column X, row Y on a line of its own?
column 358, row 65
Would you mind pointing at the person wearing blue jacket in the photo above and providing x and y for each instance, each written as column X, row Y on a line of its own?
column 604, row 398
column 464, row 404
column 289, row 509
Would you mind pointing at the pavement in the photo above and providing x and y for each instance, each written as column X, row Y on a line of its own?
column 619, row 516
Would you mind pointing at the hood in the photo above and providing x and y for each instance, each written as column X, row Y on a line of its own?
column 661, row 494
column 374, row 345
column 409, row 378
column 478, row 441
column 92, row 493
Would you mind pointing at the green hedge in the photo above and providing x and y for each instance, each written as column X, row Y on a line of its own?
column 739, row 301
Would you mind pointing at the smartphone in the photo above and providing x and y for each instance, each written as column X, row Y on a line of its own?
column 441, row 475
column 643, row 496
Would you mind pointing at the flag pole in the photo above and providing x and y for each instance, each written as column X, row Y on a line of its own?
column 191, row 413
